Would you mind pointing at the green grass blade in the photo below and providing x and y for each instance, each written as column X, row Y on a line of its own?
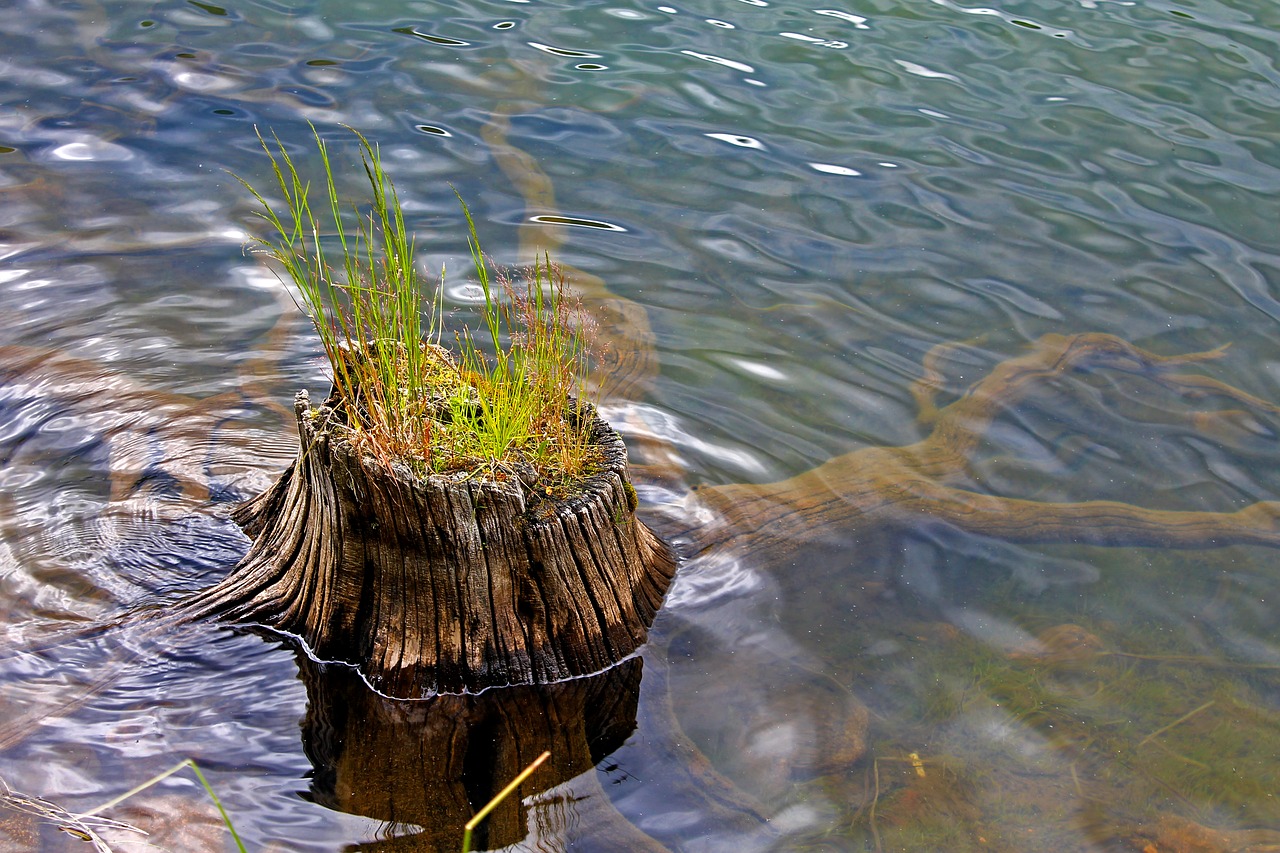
column 235, row 836
column 160, row 777
column 497, row 800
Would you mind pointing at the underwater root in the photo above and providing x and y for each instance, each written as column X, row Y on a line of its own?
column 916, row 484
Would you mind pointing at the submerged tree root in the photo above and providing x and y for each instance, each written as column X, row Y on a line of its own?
column 913, row 485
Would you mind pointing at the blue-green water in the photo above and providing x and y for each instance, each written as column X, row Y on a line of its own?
column 803, row 201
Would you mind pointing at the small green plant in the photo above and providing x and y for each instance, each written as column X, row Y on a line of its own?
column 366, row 306
column 510, row 405
column 89, row 826
column 527, row 392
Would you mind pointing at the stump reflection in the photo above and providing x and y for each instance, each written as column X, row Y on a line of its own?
column 424, row 767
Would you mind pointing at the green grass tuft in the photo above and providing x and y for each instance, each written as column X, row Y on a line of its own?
column 507, row 405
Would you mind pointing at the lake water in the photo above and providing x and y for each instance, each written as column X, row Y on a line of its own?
column 801, row 201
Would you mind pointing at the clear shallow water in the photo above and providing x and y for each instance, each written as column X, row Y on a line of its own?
column 804, row 201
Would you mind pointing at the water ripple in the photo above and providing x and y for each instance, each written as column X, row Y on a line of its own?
column 720, row 60
column 576, row 222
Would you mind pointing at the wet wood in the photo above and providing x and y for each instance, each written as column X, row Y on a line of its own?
column 444, row 583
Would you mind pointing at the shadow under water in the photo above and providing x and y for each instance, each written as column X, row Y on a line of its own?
column 424, row 767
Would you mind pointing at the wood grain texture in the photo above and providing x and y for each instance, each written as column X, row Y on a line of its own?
column 444, row 583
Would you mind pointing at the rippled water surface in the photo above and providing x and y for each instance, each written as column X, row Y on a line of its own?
column 798, row 203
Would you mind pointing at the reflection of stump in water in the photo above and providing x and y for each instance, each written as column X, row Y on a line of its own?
column 445, row 583
column 433, row 763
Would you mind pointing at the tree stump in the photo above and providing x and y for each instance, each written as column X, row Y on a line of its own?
column 445, row 583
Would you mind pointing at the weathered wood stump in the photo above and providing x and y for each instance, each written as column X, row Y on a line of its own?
column 444, row 583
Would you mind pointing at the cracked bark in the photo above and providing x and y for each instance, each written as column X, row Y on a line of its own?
column 444, row 583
